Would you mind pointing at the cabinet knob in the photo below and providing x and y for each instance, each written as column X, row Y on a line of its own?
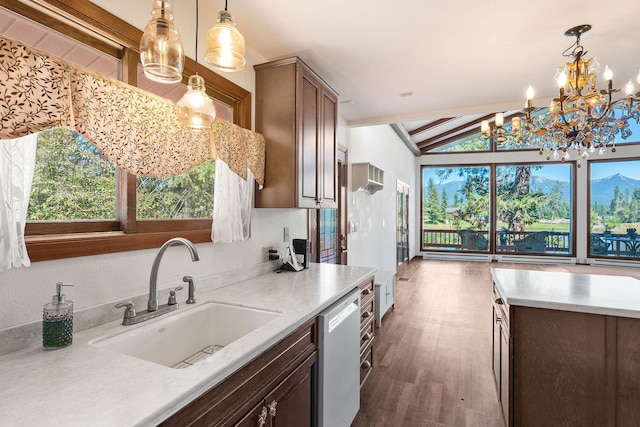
column 499, row 301
column 365, row 365
column 366, row 314
column 262, row 420
column 366, row 291
column 366, row 336
column 272, row 408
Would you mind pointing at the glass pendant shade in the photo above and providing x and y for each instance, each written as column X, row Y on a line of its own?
column 161, row 51
column 225, row 45
column 195, row 108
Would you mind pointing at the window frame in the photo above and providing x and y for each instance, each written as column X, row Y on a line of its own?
column 111, row 35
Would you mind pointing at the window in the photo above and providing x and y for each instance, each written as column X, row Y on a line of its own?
column 533, row 208
column 82, row 204
column 614, row 194
column 455, row 208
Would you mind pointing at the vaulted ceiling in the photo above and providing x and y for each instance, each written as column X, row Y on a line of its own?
column 432, row 70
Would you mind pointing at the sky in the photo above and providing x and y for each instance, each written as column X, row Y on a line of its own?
column 560, row 172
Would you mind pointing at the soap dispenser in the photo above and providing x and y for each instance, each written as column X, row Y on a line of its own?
column 57, row 321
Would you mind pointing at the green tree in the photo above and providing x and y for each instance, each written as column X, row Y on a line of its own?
column 72, row 181
column 444, row 204
column 433, row 208
column 516, row 203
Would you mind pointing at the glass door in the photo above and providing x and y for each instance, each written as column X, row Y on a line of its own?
column 402, row 223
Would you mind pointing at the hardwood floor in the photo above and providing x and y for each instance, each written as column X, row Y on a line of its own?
column 432, row 355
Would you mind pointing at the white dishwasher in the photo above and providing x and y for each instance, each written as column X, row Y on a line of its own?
column 339, row 365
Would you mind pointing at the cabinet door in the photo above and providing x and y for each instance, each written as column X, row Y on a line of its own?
column 496, row 348
column 328, row 181
column 310, row 92
column 291, row 403
column 505, row 375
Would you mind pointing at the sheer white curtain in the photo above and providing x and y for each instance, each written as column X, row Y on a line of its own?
column 232, row 203
column 17, row 165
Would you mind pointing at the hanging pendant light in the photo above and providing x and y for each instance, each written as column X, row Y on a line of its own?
column 195, row 109
column 225, row 44
column 161, row 51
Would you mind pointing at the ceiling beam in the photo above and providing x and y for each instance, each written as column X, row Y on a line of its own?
column 431, row 125
column 464, row 126
column 435, row 142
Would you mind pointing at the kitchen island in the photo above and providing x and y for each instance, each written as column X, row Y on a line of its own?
column 566, row 349
column 84, row 385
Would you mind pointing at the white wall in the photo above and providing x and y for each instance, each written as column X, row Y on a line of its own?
column 110, row 278
column 374, row 242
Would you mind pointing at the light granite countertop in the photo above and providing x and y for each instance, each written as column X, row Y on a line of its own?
column 585, row 293
column 83, row 385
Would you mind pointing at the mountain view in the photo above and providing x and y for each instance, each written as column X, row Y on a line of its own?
column 602, row 189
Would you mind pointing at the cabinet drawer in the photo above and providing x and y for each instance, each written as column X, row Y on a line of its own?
column 367, row 311
column 366, row 364
column 501, row 308
column 366, row 291
column 366, row 334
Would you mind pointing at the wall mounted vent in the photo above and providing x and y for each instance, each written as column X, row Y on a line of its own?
column 367, row 178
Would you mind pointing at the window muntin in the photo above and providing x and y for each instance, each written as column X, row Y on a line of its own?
column 534, row 208
column 455, row 208
column 614, row 195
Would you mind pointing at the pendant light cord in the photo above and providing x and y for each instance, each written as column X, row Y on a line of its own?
column 197, row 15
column 225, row 4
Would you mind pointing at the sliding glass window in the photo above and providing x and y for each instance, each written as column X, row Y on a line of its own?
column 455, row 208
column 534, row 208
column 614, row 195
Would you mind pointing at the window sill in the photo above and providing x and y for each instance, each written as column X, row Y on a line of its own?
column 49, row 247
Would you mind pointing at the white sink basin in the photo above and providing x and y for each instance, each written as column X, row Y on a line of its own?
column 184, row 338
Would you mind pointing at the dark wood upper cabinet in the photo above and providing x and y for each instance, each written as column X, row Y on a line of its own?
column 296, row 111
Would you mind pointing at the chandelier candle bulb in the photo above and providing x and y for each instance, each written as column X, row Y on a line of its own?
column 499, row 119
column 515, row 124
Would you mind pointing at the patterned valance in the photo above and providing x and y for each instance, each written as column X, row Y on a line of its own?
column 134, row 129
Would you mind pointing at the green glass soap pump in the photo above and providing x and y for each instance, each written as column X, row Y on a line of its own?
column 57, row 321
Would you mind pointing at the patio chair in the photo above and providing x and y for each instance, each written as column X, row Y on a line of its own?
column 534, row 242
column 598, row 246
column 471, row 240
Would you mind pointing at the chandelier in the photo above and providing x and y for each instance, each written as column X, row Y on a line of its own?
column 582, row 118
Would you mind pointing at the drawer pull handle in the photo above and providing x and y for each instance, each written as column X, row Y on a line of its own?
column 499, row 301
column 272, row 408
column 366, row 291
column 262, row 420
column 366, row 314
column 365, row 365
column 366, row 337
column 498, row 319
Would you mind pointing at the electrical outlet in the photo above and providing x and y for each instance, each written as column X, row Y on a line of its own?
column 265, row 253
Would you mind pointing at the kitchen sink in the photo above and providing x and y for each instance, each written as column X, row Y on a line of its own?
column 183, row 339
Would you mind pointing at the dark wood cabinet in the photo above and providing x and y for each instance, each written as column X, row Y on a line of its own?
column 296, row 111
column 502, row 354
column 276, row 389
column 557, row 367
column 367, row 335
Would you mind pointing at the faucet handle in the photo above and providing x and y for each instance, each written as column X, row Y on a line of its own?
column 191, row 299
column 172, row 296
column 129, row 312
